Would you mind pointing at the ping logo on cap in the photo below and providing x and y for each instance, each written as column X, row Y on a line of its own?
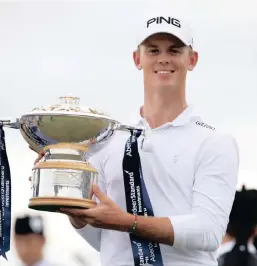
column 160, row 20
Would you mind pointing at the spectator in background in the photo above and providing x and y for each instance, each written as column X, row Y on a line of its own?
column 237, row 248
column 29, row 240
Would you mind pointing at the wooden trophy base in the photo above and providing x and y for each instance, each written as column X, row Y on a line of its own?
column 53, row 204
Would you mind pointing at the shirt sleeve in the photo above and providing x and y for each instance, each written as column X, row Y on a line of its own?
column 91, row 234
column 213, row 195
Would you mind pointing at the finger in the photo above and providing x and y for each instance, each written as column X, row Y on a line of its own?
column 40, row 156
column 77, row 221
column 30, row 179
column 74, row 212
column 99, row 194
column 38, row 159
column 78, row 218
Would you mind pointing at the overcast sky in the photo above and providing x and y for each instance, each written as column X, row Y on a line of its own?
column 49, row 49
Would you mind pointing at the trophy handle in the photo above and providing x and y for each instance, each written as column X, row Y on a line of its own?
column 11, row 124
column 129, row 128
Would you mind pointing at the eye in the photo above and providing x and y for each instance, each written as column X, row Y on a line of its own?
column 153, row 50
column 174, row 51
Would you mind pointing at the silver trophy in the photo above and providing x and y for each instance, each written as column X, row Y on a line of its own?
column 65, row 133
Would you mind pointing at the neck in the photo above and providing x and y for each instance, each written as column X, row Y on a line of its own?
column 163, row 106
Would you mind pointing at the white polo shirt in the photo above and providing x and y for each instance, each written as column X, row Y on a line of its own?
column 190, row 171
column 44, row 262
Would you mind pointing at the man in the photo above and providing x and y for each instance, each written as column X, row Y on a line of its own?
column 189, row 169
column 237, row 247
column 29, row 240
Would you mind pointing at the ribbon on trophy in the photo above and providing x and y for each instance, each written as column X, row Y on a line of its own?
column 5, row 196
column 138, row 202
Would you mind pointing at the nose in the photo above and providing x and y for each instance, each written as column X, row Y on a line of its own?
column 164, row 60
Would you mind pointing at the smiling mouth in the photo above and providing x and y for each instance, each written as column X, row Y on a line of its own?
column 164, row 72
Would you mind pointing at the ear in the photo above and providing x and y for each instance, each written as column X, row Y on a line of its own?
column 193, row 60
column 136, row 58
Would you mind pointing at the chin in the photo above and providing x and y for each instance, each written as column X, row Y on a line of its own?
column 165, row 84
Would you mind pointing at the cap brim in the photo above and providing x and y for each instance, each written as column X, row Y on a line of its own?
column 162, row 32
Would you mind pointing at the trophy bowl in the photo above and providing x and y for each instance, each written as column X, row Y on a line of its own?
column 64, row 122
column 64, row 133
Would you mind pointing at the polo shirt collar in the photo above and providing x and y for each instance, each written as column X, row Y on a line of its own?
column 180, row 120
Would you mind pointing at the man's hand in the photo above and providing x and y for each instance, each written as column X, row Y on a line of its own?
column 77, row 222
column 106, row 214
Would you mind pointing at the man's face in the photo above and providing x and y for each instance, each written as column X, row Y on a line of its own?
column 165, row 61
column 29, row 247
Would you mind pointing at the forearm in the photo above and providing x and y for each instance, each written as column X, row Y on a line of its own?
column 154, row 229
column 199, row 231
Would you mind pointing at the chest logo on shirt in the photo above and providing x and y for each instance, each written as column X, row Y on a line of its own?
column 199, row 123
column 176, row 158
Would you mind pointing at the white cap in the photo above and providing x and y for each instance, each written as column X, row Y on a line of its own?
column 36, row 224
column 160, row 22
